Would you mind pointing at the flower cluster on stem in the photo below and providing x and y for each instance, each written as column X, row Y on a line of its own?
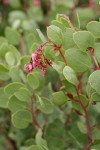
column 38, row 60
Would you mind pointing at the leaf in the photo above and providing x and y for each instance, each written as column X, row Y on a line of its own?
column 15, row 53
column 34, row 147
column 54, row 33
column 58, row 66
column 11, row 88
column 78, row 60
column 83, row 39
column 3, row 41
column 70, row 75
column 94, row 81
column 12, row 36
column 33, row 81
column 55, row 135
column 97, row 51
column 25, row 60
column 4, row 72
column 68, row 41
column 94, row 27
column 14, row 104
column 40, row 141
column 10, row 58
column 21, row 119
column 42, row 37
column 23, row 94
column 59, row 98
column 16, row 15
column 14, row 73
column 3, row 98
column 45, row 105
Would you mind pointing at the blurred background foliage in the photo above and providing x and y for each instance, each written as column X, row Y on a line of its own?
column 19, row 20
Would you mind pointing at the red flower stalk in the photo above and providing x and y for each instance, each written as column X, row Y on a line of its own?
column 38, row 60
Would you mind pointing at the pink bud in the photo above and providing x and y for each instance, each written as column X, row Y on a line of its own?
column 34, row 64
column 34, row 56
column 28, row 68
column 43, row 71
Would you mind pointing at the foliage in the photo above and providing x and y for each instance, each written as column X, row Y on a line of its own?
column 52, row 96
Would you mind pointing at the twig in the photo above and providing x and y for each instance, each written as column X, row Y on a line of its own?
column 89, row 134
column 91, row 51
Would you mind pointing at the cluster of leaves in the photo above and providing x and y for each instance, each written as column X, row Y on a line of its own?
column 47, row 106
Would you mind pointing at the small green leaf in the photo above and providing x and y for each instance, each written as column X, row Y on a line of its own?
column 58, row 66
column 83, row 39
column 70, row 75
column 94, row 81
column 21, row 119
column 40, row 141
column 68, row 41
column 45, row 105
column 97, row 51
column 23, row 94
column 14, row 73
column 3, row 41
column 42, row 37
column 94, row 27
column 24, row 60
column 14, row 104
column 10, row 58
column 54, row 33
column 12, row 36
column 33, row 80
column 59, row 98
column 11, row 88
column 3, row 98
column 34, row 147
column 78, row 60
column 4, row 72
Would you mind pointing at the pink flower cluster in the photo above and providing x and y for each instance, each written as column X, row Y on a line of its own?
column 38, row 60
column 5, row 2
column 36, row 2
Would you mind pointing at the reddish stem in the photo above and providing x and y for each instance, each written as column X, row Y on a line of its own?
column 89, row 134
column 91, row 51
column 63, row 57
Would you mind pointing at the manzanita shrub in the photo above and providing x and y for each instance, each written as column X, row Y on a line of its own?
column 53, row 92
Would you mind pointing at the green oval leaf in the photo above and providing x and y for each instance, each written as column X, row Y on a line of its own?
column 78, row 60
column 12, row 36
column 21, row 119
column 94, row 27
column 94, row 81
column 23, row 94
column 45, row 105
column 14, row 104
column 10, row 58
column 4, row 72
column 83, row 39
column 11, row 88
column 34, row 147
column 59, row 98
column 70, row 75
column 54, row 33
column 33, row 80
